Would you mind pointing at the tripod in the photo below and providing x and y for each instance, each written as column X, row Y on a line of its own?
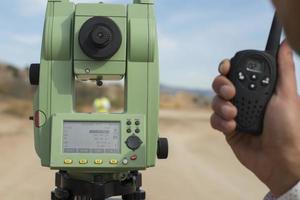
column 68, row 188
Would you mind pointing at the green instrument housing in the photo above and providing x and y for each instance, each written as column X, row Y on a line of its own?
column 63, row 61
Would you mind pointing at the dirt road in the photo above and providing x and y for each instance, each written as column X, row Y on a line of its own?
column 200, row 167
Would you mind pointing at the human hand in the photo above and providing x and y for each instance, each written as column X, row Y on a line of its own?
column 274, row 156
column 288, row 13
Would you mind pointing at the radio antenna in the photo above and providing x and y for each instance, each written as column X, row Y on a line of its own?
column 274, row 36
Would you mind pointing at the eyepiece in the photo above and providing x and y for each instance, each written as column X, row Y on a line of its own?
column 101, row 36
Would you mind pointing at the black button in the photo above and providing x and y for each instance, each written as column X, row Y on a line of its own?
column 137, row 123
column 133, row 142
column 128, row 123
column 129, row 130
column 137, row 130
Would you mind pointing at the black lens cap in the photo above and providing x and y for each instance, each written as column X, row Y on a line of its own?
column 100, row 38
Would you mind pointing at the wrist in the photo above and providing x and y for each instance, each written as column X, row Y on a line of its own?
column 279, row 185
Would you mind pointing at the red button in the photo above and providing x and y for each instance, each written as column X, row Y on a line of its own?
column 134, row 157
column 37, row 119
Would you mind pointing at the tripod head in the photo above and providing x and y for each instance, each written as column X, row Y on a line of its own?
column 98, row 42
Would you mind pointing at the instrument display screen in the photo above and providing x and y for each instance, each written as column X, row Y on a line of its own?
column 91, row 137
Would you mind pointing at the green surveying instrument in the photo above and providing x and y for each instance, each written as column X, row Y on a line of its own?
column 98, row 155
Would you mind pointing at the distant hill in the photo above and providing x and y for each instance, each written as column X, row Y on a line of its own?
column 173, row 90
column 14, row 84
column 184, row 98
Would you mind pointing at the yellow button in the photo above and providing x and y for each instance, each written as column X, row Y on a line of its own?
column 113, row 162
column 68, row 161
column 98, row 162
column 83, row 161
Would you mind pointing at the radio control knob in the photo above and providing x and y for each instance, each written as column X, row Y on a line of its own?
column 133, row 142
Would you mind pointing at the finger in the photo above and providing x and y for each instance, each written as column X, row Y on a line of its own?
column 224, row 67
column 227, row 127
column 287, row 84
column 224, row 109
column 224, row 88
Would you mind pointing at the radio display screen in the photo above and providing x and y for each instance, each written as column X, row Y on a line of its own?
column 92, row 137
column 254, row 66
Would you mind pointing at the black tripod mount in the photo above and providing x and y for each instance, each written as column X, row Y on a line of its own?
column 68, row 188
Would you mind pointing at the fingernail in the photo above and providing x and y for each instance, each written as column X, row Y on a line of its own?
column 225, row 90
column 221, row 67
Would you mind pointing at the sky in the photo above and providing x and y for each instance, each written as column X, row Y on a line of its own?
column 194, row 35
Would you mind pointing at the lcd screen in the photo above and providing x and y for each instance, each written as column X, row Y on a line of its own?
column 91, row 137
column 254, row 66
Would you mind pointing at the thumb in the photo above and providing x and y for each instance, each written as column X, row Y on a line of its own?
column 287, row 84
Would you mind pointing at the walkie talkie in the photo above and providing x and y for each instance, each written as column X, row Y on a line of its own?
column 254, row 74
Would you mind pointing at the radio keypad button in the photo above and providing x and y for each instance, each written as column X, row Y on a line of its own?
column 252, row 86
column 253, row 77
column 265, row 81
column 241, row 76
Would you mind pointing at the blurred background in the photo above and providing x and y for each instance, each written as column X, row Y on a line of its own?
column 194, row 36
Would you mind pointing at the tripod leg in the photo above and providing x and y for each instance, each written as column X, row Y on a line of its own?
column 138, row 195
column 53, row 197
column 60, row 194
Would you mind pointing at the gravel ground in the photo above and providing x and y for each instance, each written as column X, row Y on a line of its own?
column 201, row 165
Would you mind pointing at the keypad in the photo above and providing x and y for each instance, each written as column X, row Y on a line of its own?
column 253, row 81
